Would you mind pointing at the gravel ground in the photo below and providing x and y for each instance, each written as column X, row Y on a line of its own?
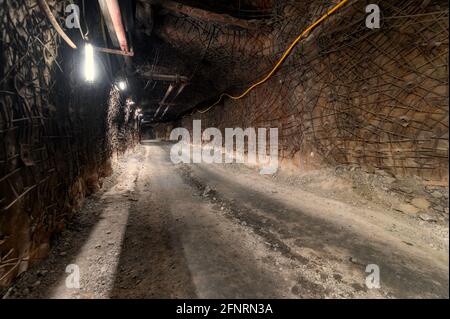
column 158, row 230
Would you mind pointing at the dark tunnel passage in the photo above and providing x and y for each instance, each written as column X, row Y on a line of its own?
column 224, row 149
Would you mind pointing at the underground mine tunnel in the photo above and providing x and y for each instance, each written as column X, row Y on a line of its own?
column 224, row 149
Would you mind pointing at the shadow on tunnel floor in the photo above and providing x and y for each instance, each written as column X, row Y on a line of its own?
column 152, row 263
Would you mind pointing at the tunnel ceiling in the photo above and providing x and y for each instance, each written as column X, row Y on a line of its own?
column 211, row 45
column 215, row 45
column 218, row 46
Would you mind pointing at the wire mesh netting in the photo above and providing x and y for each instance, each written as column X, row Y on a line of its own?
column 56, row 135
column 348, row 94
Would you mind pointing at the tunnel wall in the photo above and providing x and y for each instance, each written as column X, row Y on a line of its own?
column 350, row 95
column 57, row 135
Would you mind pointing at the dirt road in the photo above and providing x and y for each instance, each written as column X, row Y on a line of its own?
column 159, row 230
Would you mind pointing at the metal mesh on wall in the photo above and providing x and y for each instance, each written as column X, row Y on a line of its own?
column 53, row 142
column 376, row 98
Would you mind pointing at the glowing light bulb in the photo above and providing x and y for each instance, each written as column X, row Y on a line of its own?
column 89, row 67
column 122, row 85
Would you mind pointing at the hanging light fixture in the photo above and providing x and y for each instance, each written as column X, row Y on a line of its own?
column 89, row 66
column 122, row 85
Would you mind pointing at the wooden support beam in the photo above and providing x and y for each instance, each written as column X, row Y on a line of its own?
column 113, row 19
column 44, row 7
column 204, row 15
column 165, row 77
column 114, row 51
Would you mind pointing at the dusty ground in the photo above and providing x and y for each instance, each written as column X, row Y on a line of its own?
column 158, row 230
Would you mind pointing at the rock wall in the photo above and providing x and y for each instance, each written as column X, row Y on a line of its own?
column 57, row 134
column 350, row 95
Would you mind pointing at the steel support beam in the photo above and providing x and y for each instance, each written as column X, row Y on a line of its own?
column 113, row 19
